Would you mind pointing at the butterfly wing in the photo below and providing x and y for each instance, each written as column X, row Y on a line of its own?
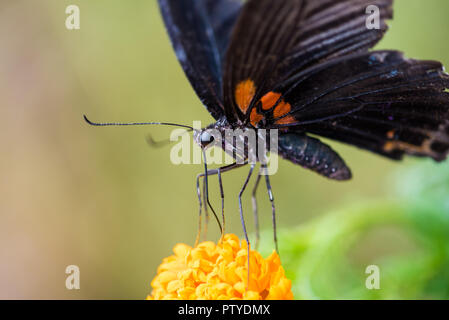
column 199, row 31
column 378, row 101
column 303, row 65
column 273, row 40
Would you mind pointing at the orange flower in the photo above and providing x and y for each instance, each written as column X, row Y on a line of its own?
column 219, row 272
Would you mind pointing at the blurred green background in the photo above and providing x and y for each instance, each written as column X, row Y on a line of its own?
column 102, row 199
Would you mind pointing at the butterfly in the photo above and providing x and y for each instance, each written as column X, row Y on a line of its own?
column 304, row 67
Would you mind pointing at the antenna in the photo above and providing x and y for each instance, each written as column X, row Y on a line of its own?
column 108, row 124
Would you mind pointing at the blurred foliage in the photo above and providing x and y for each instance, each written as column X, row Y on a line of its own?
column 327, row 258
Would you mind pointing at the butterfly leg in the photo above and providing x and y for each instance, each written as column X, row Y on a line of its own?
column 220, row 183
column 256, row 214
column 211, row 172
column 242, row 219
column 162, row 143
column 206, row 204
column 273, row 208
column 198, row 191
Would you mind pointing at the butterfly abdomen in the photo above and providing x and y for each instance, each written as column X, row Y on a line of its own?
column 313, row 154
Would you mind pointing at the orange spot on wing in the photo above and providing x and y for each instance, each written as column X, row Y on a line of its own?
column 255, row 117
column 390, row 134
column 269, row 100
column 281, row 109
column 286, row 120
column 424, row 148
column 244, row 93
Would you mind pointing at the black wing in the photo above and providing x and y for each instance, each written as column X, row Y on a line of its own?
column 199, row 31
column 273, row 40
column 303, row 65
column 378, row 101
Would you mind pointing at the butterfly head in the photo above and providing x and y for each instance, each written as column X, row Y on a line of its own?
column 204, row 138
column 212, row 135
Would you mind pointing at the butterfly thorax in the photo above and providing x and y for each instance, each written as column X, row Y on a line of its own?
column 243, row 143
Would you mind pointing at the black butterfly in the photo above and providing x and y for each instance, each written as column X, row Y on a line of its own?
column 303, row 67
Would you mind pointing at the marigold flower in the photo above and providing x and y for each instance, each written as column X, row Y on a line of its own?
column 212, row 271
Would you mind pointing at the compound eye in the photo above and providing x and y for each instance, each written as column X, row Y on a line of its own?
column 206, row 138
